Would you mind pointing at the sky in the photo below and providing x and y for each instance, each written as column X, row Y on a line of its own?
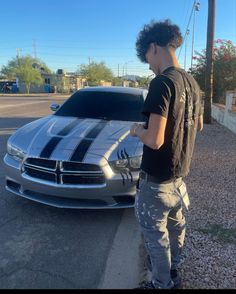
column 67, row 33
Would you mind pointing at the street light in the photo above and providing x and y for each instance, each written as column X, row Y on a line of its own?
column 196, row 8
column 125, row 67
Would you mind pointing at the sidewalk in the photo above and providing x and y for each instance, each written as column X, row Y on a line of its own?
column 51, row 96
column 210, row 244
column 124, row 266
column 33, row 95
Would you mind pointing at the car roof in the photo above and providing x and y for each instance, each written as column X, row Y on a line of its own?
column 115, row 89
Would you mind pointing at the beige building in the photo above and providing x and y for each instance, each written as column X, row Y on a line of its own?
column 44, row 88
column 71, row 82
column 60, row 83
column 129, row 83
column 66, row 82
column 105, row 84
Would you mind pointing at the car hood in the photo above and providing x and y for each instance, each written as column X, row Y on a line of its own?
column 76, row 139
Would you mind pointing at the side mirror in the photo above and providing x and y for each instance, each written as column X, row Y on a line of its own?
column 54, row 106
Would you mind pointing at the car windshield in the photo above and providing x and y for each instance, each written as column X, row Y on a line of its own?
column 103, row 105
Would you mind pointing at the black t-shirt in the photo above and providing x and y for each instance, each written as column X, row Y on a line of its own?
column 174, row 95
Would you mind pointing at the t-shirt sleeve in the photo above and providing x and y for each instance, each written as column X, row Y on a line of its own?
column 158, row 98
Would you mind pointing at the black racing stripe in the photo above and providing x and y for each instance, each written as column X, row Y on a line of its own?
column 51, row 145
column 84, row 145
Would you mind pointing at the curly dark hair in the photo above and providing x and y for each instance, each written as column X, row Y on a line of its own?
column 162, row 33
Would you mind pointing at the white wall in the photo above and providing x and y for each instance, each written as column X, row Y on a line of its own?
column 224, row 114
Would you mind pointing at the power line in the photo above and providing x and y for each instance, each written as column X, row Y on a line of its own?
column 187, row 26
column 187, row 8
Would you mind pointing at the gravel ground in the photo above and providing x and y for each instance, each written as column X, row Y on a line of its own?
column 210, row 244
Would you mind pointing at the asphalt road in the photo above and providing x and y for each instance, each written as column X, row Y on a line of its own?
column 44, row 247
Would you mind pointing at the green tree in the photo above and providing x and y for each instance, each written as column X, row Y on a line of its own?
column 224, row 69
column 117, row 81
column 95, row 73
column 61, row 83
column 27, row 69
column 144, row 81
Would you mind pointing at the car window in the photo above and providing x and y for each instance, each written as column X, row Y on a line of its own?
column 106, row 105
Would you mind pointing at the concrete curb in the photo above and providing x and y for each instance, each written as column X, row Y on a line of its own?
column 124, row 264
column 38, row 96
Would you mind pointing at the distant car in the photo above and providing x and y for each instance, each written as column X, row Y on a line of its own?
column 81, row 156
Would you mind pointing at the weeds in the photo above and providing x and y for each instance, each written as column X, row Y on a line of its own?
column 221, row 233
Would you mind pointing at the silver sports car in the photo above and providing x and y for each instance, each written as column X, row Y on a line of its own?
column 82, row 155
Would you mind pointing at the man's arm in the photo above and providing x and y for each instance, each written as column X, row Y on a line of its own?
column 154, row 135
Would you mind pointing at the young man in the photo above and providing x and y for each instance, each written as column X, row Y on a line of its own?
column 173, row 111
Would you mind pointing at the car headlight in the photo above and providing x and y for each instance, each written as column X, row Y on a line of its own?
column 15, row 152
column 135, row 162
column 131, row 163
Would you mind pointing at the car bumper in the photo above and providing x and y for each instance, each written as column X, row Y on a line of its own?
column 114, row 193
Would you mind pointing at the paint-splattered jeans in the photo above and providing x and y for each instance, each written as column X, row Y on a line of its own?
column 158, row 208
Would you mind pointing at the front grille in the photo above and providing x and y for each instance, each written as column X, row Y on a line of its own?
column 78, row 166
column 84, row 179
column 13, row 185
column 43, row 163
column 63, row 172
column 124, row 199
column 40, row 174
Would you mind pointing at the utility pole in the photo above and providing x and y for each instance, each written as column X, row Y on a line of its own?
column 185, row 54
column 34, row 49
column 125, row 67
column 18, row 51
column 209, row 61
